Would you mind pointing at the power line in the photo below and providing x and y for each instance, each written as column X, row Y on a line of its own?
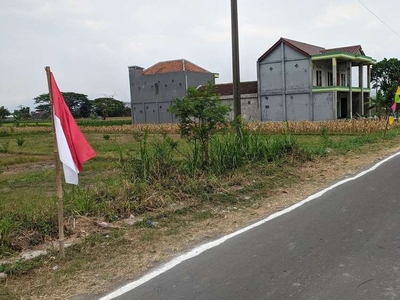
column 395, row 32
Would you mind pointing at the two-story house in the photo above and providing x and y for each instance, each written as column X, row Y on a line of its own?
column 299, row 81
column 153, row 89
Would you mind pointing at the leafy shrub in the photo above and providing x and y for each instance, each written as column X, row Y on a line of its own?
column 200, row 113
column 20, row 141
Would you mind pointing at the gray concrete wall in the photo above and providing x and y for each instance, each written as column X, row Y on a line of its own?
column 272, row 108
column 196, row 79
column 158, row 87
column 297, row 76
column 284, row 78
column 292, row 54
column 138, row 113
column 274, row 56
column 152, row 95
column 250, row 109
column 271, row 78
column 324, row 107
column 298, row 107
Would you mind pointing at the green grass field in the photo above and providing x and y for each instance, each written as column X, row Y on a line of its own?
column 148, row 178
column 112, row 184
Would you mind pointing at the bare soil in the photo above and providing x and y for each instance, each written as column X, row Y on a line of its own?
column 116, row 264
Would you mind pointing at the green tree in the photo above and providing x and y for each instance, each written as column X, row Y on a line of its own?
column 4, row 112
column 43, row 104
column 78, row 104
column 109, row 107
column 384, row 76
column 379, row 103
column 22, row 114
column 199, row 113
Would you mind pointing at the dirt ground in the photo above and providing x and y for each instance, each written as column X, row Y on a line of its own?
column 116, row 270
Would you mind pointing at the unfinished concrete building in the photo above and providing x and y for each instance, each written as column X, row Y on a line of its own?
column 153, row 89
column 299, row 81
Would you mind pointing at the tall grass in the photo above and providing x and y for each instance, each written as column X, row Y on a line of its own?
column 9, row 229
column 155, row 160
column 228, row 151
column 231, row 151
column 27, row 228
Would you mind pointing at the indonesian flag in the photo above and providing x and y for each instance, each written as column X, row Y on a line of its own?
column 73, row 147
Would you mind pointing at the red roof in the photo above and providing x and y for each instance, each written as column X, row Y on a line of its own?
column 354, row 50
column 306, row 49
column 303, row 47
column 178, row 65
column 310, row 50
column 247, row 87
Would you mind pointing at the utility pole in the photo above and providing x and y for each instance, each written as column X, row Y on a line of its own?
column 235, row 60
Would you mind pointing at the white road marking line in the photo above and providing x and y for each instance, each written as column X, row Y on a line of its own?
column 200, row 249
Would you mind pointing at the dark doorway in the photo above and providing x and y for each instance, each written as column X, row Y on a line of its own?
column 343, row 107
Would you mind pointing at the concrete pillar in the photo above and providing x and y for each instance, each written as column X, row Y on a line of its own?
column 369, row 86
column 334, row 71
column 334, row 83
column 310, row 78
column 361, row 85
column 350, row 84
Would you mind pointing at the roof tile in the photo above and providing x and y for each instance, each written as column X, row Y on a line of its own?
column 246, row 87
column 309, row 50
column 354, row 50
column 306, row 48
column 178, row 65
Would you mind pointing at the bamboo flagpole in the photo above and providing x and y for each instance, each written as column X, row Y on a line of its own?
column 58, row 171
column 71, row 149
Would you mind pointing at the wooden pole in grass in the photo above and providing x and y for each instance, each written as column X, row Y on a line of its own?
column 58, row 172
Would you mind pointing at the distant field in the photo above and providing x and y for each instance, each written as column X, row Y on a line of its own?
column 81, row 122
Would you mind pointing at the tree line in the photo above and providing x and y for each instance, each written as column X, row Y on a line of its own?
column 79, row 105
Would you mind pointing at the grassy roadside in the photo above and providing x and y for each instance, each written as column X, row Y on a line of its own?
column 210, row 206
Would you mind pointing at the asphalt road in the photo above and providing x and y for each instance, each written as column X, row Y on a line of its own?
column 342, row 245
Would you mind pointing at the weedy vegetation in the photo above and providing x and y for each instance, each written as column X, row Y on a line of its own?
column 168, row 175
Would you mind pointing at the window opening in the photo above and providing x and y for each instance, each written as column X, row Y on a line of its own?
column 330, row 78
column 156, row 86
column 319, row 77
column 342, row 79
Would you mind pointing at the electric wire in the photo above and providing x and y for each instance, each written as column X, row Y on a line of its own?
column 394, row 31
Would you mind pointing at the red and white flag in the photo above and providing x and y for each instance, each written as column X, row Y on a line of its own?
column 73, row 148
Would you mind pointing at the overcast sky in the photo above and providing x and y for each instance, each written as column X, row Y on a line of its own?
column 90, row 43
